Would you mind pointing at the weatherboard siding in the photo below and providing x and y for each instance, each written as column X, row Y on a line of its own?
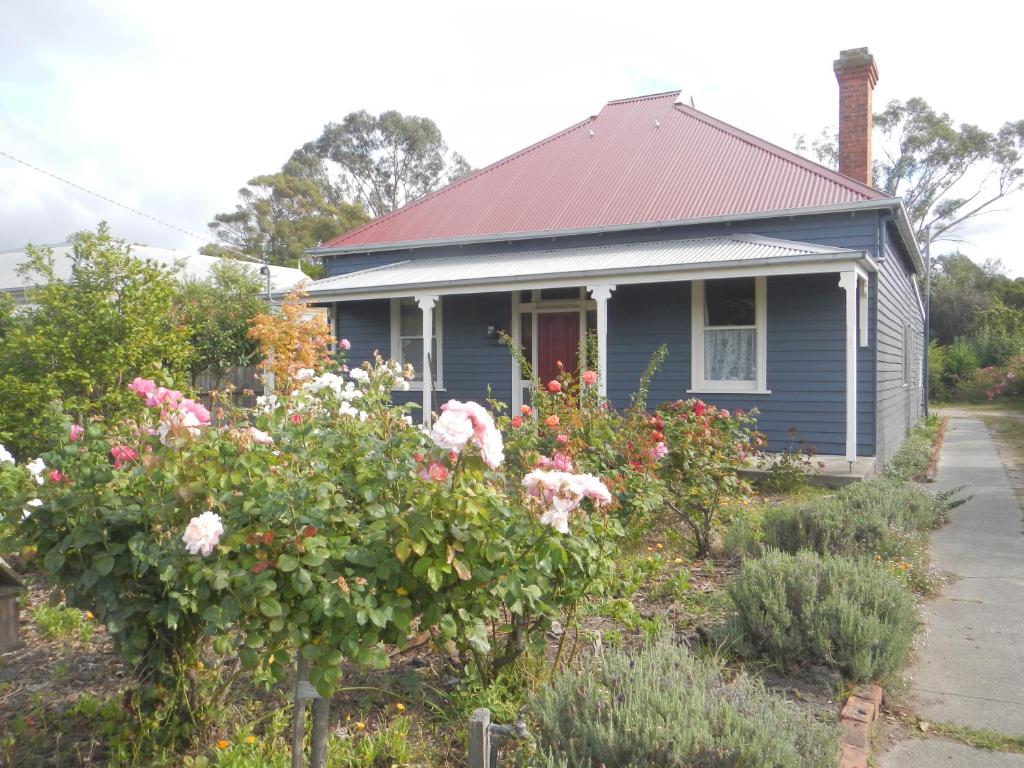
column 899, row 406
column 806, row 364
column 471, row 360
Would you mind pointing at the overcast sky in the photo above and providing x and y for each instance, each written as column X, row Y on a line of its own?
column 171, row 107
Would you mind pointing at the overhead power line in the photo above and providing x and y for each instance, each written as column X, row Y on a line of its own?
column 128, row 208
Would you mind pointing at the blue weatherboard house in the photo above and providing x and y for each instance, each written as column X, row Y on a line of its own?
column 776, row 283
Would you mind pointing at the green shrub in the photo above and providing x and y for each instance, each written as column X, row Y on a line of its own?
column 912, row 459
column 846, row 613
column 862, row 519
column 743, row 537
column 665, row 707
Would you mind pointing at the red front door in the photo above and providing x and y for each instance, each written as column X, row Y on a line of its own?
column 558, row 340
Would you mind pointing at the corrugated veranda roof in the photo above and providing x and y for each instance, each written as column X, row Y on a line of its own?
column 571, row 263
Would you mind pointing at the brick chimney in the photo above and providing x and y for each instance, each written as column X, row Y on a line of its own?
column 857, row 74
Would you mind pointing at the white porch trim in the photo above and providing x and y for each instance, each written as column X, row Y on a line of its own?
column 601, row 293
column 849, row 281
column 426, row 304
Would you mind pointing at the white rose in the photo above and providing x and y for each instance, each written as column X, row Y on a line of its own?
column 203, row 533
column 37, row 467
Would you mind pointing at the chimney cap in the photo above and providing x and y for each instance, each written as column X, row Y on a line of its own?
column 855, row 59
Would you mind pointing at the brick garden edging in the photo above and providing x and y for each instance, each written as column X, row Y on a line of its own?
column 860, row 712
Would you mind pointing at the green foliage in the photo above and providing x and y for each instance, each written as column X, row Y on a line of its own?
column 743, row 537
column 847, row 613
column 217, row 312
column 931, row 156
column 279, row 216
column 998, row 333
column 860, row 519
column 387, row 160
column 705, row 446
column 665, row 707
column 911, row 460
column 60, row 622
column 78, row 343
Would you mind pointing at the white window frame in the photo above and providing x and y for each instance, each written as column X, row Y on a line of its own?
column 396, row 343
column 699, row 385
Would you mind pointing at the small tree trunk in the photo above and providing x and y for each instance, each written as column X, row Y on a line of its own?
column 321, row 718
column 299, row 714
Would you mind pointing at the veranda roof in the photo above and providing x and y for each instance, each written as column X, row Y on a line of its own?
column 640, row 262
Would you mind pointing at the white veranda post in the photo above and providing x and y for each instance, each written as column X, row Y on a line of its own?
column 601, row 294
column 427, row 308
column 848, row 281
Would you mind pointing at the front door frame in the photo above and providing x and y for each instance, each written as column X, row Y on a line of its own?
column 533, row 308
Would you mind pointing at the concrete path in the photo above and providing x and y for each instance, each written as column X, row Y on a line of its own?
column 969, row 669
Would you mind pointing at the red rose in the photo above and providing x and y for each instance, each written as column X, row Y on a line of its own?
column 517, row 422
column 260, row 567
column 698, row 408
column 554, row 386
column 268, row 537
column 309, row 530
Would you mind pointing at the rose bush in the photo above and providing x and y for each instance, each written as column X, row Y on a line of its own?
column 703, row 448
column 323, row 524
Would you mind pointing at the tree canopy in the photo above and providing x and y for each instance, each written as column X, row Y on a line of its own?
column 946, row 174
column 365, row 166
column 77, row 344
column 279, row 216
column 217, row 311
column 968, row 298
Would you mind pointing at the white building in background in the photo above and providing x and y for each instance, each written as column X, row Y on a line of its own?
column 191, row 265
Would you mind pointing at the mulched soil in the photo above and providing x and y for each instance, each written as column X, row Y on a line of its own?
column 45, row 678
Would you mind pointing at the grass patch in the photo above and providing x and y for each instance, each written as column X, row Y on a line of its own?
column 663, row 706
column 58, row 622
column 980, row 738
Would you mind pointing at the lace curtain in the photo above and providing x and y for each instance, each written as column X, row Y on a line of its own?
column 730, row 354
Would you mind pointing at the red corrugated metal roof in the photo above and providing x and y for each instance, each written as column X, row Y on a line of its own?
column 645, row 159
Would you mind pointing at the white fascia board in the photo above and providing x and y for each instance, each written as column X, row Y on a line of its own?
column 800, row 265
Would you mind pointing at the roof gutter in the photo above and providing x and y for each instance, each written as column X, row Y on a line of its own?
column 854, row 207
column 581, row 276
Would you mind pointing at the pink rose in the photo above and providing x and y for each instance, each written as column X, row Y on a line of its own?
column 660, row 450
column 461, row 423
column 561, row 462
column 142, row 387
column 589, row 378
column 436, row 471
column 122, row 454
column 76, row 433
column 56, row 476
column 554, row 386
column 563, row 439
column 345, row 344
